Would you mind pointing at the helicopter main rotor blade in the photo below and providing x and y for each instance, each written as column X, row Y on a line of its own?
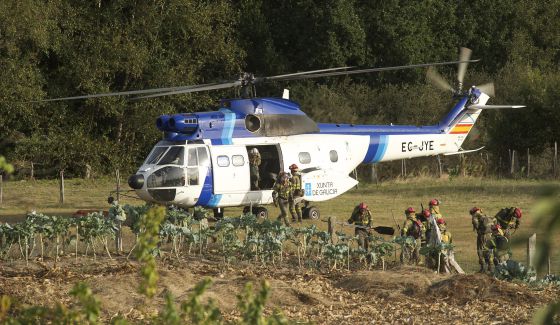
column 122, row 93
column 224, row 85
column 464, row 56
column 350, row 72
column 487, row 88
column 283, row 76
column 433, row 76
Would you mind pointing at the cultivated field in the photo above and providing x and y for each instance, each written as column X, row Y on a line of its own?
column 399, row 294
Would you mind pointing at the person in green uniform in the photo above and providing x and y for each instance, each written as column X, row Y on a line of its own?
column 254, row 163
column 412, row 227
column 509, row 220
column 361, row 217
column 281, row 194
column 297, row 193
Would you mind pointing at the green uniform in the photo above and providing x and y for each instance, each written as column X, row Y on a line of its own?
column 498, row 245
column 482, row 224
column 361, row 217
column 412, row 227
column 282, row 193
column 508, row 220
column 254, row 163
column 295, row 208
column 446, row 238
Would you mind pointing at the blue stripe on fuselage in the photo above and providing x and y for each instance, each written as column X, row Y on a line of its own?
column 229, row 124
column 207, row 189
column 377, row 148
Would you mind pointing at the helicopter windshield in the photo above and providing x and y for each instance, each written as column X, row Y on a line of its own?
column 174, row 156
column 155, row 155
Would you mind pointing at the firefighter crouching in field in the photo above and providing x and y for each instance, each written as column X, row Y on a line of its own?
column 282, row 194
column 483, row 224
column 361, row 217
column 297, row 193
column 498, row 245
column 509, row 219
column 412, row 227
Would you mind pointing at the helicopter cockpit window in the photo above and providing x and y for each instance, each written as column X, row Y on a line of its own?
column 155, row 155
column 203, row 159
column 192, row 169
column 174, row 156
column 304, row 157
column 167, row 177
column 193, row 157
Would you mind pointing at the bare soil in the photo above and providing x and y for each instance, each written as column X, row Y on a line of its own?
column 410, row 295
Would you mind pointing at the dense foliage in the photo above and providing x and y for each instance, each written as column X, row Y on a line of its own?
column 66, row 48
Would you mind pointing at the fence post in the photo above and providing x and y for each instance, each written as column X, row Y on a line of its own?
column 61, row 201
column 555, row 162
column 373, row 177
column 118, row 237
column 330, row 227
column 512, row 169
column 440, row 171
column 528, row 162
column 531, row 248
column 32, row 176
column 1, row 188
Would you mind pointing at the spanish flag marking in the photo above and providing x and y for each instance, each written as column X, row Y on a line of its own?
column 461, row 128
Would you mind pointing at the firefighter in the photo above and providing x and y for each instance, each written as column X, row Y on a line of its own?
column 281, row 194
column 254, row 163
column 509, row 219
column 482, row 224
column 412, row 227
column 446, row 253
column 497, row 246
column 434, row 209
column 361, row 217
column 297, row 193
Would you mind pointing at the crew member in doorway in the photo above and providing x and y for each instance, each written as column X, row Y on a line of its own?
column 255, row 162
column 297, row 193
column 282, row 194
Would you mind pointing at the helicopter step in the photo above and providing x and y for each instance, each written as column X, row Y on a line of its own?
column 258, row 211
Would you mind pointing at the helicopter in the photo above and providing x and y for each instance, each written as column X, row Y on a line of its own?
column 203, row 158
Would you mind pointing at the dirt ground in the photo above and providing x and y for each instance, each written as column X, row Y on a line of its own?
column 400, row 295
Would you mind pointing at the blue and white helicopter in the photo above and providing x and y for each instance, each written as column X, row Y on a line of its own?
column 203, row 159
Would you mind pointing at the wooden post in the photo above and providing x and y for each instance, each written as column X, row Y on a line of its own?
column 1, row 188
column 118, row 237
column 531, row 249
column 528, row 162
column 32, row 175
column 373, row 177
column 512, row 169
column 555, row 162
column 61, row 201
column 330, row 227
column 440, row 170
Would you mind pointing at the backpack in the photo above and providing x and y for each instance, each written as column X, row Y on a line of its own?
column 416, row 230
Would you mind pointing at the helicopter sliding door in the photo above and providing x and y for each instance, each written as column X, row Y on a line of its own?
column 230, row 165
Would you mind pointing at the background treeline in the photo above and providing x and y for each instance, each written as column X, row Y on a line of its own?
column 58, row 48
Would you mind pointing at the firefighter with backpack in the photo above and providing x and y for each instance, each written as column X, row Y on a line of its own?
column 412, row 227
column 509, row 220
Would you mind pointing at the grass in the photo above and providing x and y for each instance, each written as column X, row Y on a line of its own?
column 385, row 200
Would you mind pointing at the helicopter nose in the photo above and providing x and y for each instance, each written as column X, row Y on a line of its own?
column 136, row 181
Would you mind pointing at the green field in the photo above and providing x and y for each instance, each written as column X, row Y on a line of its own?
column 385, row 200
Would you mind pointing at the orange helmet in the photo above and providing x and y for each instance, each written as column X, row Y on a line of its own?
column 293, row 167
column 409, row 210
column 473, row 210
column 518, row 213
column 440, row 221
column 434, row 202
column 363, row 206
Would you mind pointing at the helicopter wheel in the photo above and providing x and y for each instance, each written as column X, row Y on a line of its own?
column 311, row 212
column 218, row 213
column 259, row 212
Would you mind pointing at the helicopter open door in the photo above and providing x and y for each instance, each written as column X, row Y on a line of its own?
column 230, row 165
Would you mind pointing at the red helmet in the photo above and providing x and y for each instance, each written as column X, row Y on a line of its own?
column 473, row 210
column 409, row 210
column 440, row 221
column 363, row 206
column 426, row 213
column 293, row 167
column 518, row 213
column 496, row 226
column 434, row 202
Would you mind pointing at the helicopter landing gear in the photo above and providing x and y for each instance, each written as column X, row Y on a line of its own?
column 258, row 211
column 218, row 213
column 311, row 212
